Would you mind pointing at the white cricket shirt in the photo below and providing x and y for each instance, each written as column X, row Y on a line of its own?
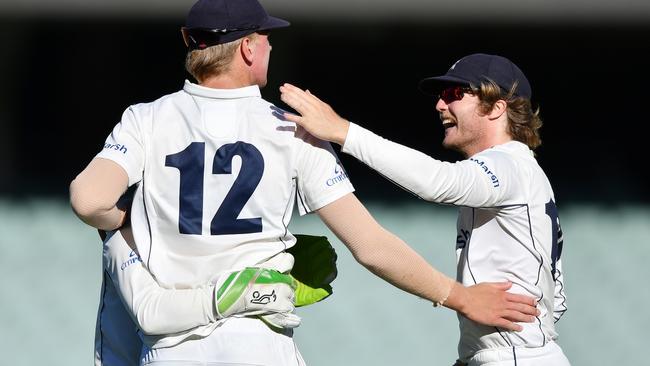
column 220, row 170
column 507, row 227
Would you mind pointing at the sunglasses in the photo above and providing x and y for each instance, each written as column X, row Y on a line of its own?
column 201, row 38
column 454, row 93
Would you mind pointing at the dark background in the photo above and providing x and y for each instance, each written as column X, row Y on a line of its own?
column 66, row 83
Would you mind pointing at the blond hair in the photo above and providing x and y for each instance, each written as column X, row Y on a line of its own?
column 214, row 60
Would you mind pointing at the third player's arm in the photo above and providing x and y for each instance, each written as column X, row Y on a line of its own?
column 154, row 309
column 390, row 258
column 463, row 183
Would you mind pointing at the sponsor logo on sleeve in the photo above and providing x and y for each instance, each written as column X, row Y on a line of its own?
column 493, row 177
column 462, row 238
column 118, row 147
column 339, row 175
column 133, row 258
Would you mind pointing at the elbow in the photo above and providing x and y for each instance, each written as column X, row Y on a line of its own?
column 77, row 200
column 369, row 260
column 82, row 203
column 88, row 205
column 149, row 328
column 146, row 319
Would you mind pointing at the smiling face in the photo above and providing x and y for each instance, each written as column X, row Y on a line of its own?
column 465, row 126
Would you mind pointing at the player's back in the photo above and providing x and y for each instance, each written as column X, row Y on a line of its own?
column 219, row 183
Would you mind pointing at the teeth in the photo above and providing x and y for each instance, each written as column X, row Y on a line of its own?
column 448, row 123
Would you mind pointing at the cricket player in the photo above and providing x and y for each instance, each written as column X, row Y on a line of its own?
column 218, row 171
column 508, row 226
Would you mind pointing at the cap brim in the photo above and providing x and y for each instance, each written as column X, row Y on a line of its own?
column 273, row 23
column 434, row 85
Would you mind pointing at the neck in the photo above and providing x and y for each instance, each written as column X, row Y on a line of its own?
column 486, row 144
column 236, row 76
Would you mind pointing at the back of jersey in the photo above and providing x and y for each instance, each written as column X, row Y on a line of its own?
column 219, row 172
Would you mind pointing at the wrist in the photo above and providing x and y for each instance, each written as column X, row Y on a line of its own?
column 343, row 133
column 458, row 298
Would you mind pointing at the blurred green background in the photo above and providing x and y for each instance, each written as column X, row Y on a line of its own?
column 50, row 278
column 69, row 69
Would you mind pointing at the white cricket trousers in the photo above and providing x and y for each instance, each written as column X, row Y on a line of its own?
column 237, row 342
column 549, row 355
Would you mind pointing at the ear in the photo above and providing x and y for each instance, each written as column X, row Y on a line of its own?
column 499, row 108
column 247, row 49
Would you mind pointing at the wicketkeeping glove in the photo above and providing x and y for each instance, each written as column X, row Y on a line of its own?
column 314, row 269
column 257, row 291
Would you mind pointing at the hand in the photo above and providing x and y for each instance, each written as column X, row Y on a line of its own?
column 316, row 116
column 257, row 291
column 489, row 303
column 314, row 269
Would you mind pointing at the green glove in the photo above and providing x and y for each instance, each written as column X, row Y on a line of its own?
column 314, row 269
column 256, row 291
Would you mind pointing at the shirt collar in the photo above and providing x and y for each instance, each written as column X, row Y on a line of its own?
column 519, row 146
column 202, row 91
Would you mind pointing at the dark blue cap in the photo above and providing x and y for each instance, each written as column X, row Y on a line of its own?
column 222, row 21
column 479, row 67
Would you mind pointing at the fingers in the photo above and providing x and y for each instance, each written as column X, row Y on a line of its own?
column 503, row 286
column 295, row 97
column 527, row 310
column 504, row 324
column 301, row 101
column 292, row 117
column 517, row 316
column 521, row 299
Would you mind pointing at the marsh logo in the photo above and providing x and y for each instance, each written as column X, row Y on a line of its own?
column 493, row 177
column 339, row 175
column 133, row 258
column 118, row 147
column 462, row 238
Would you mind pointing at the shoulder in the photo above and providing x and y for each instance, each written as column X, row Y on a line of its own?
column 144, row 109
column 508, row 155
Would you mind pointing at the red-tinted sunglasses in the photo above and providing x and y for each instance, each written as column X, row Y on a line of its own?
column 454, row 93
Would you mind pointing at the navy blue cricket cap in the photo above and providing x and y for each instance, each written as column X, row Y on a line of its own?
column 479, row 67
column 212, row 22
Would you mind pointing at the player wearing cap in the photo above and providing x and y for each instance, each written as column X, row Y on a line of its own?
column 508, row 227
column 218, row 170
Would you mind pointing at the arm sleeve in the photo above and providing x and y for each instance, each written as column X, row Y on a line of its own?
column 465, row 183
column 96, row 190
column 125, row 145
column 560, row 305
column 94, row 194
column 154, row 309
column 383, row 253
column 321, row 178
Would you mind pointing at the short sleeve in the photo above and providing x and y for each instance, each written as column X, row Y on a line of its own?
column 321, row 177
column 125, row 146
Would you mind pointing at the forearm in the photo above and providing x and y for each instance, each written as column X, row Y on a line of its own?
column 430, row 179
column 383, row 253
column 94, row 194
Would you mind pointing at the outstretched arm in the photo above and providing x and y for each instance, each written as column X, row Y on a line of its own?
column 390, row 258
